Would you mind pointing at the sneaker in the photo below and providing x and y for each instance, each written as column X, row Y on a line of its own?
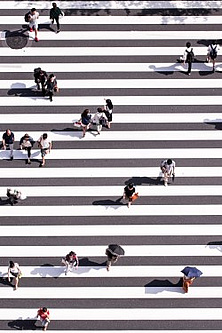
column 165, row 183
column 36, row 39
column 29, row 162
column 30, row 29
column 57, row 31
column 11, row 158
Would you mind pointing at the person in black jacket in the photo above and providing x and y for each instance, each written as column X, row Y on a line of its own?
column 55, row 12
column 129, row 190
column 40, row 78
column 51, row 86
column 26, row 143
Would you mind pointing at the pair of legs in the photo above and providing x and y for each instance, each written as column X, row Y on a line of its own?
column 43, row 153
column 57, row 22
column 34, row 26
column 69, row 267
column 213, row 61
column 187, row 283
column 166, row 177
column 15, row 281
column 10, row 146
column 84, row 129
column 29, row 154
column 189, row 67
column 99, row 128
column 109, row 262
column 45, row 323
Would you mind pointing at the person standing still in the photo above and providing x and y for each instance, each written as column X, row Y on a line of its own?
column 55, row 12
column 8, row 139
column 33, row 24
column 45, row 145
column 43, row 314
column 188, row 57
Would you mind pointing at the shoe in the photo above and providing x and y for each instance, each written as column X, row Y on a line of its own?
column 213, row 70
column 165, row 184
column 28, row 162
column 189, row 74
column 11, row 158
column 58, row 31
column 30, row 29
column 36, row 39
column 107, row 268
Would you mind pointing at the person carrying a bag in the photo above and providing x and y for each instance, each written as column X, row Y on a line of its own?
column 15, row 271
column 99, row 119
column 129, row 193
column 51, row 86
column 85, row 121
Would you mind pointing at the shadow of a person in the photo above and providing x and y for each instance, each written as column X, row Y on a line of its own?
column 20, row 324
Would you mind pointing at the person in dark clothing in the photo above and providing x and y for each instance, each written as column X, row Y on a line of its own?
column 40, row 78
column 85, row 121
column 26, row 143
column 55, row 12
column 8, row 139
column 111, row 258
column 51, row 86
column 188, row 57
column 129, row 190
column 109, row 111
column 71, row 260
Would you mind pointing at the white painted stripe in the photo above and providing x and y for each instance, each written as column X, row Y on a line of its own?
column 127, row 35
column 117, row 100
column 110, row 20
column 121, row 118
column 127, row 135
column 108, row 314
column 110, row 293
column 108, row 191
column 105, row 67
column 110, row 172
column 99, row 251
column 113, row 210
column 119, row 83
column 110, row 4
column 86, row 154
column 98, row 51
column 116, row 271
column 112, row 230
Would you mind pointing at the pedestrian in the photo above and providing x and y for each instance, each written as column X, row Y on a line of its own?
column 187, row 281
column 26, row 143
column 8, row 139
column 168, row 169
column 188, row 57
column 55, row 12
column 71, row 260
column 111, row 258
column 85, row 121
column 44, row 316
column 40, row 78
column 15, row 271
column 51, row 86
column 45, row 144
column 33, row 23
column 99, row 119
column 212, row 51
column 109, row 111
column 129, row 193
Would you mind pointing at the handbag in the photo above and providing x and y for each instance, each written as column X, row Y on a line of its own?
column 135, row 196
column 102, row 121
column 77, row 124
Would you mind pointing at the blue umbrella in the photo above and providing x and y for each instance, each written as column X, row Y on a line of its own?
column 191, row 272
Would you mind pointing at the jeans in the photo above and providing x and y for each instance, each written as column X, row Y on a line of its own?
column 57, row 22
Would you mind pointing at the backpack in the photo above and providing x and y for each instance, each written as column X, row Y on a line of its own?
column 26, row 17
column 190, row 56
column 213, row 52
column 37, row 71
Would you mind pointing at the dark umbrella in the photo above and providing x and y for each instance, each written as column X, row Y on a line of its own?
column 191, row 272
column 116, row 249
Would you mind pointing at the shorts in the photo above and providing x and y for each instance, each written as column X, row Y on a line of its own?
column 33, row 25
column 44, row 151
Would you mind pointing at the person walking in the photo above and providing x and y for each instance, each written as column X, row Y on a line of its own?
column 188, row 57
column 128, row 193
column 51, row 86
column 212, row 53
column 187, row 281
column 33, row 23
column 40, row 78
column 109, row 111
column 168, row 169
column 55, row 12
column 99, row 119
column 45, row 144
column 44, row 316
column 8, row 139
column 26, row 143
column 85, row 121
column 15, row 271
column 71, row 260
column 14, row 195
column 111, row 258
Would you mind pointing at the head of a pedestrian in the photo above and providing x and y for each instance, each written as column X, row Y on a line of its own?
column 130, row 185
column 44, row 309
column 8, row 132
column 26, row 136
column 169, row 161
column 86, row 112
column 45, row 136
column 214, row 42
column 71, row 253
column 188, row 44
column 99, row 110
column 33, row 11
column 51, row 77
column 54, row 5
column 11, row 264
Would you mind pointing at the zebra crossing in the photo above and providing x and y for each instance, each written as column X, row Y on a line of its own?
column 125, row 51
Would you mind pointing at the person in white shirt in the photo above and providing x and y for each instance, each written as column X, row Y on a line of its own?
column 212, row 53
column 45, row 145
column 168, row 169
column 188, row 57
column 100, row 119
column 15, row 271
column 33, row 23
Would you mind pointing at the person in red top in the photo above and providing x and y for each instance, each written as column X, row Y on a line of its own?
column 71, row 260
column 43, row 314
